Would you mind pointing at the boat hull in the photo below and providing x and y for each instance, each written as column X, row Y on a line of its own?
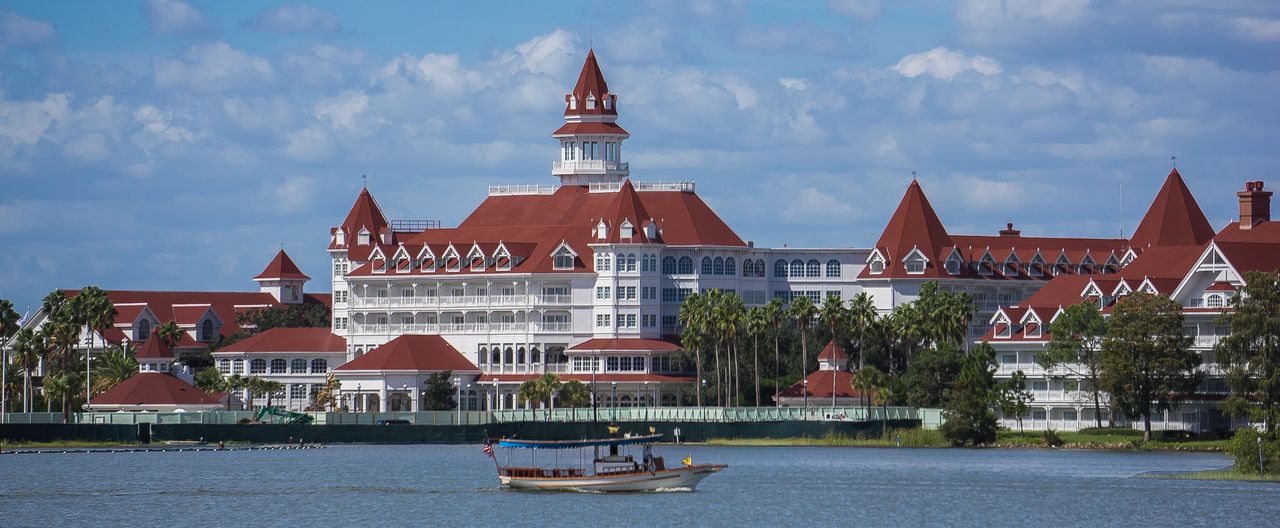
column 683, row 478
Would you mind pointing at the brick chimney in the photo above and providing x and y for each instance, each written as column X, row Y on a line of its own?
column 1009, row 231
column 1255, row 205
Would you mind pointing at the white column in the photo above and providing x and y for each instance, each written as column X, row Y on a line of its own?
column 413, row 399
column 382, row 397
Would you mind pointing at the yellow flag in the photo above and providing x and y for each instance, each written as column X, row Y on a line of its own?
column 688, row 461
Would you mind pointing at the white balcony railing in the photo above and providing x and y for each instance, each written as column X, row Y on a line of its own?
column 520, row 190
column 493, row 301
column 590, row 166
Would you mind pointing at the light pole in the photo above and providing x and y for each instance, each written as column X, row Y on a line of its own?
column 646, row 408
column 457, row 382
column 805, row 393
column 359, row 402
column 613, row 403
column 1259, row 454
column 704, row 408
column 88, row 348
column 495, row 393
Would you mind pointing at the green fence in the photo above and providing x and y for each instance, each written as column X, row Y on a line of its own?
column 706, row 414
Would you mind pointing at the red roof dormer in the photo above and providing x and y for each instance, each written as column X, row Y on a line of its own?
column 591, row 92
column 282, row 267
column 627, row 208
column 1174, row 218
column 833, row 352
column 154, row 348
column 365, row 216
column 914, row 225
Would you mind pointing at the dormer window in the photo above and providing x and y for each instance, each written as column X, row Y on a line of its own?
column 876, row 264
column 608, row 103
column 1062, row 266
column 986, row 265
column 625, row 231
column 953, row 263
column 379, row 265
column 1036, row 268
column 562, row 259
column 1214, row 300
column 602, row 230
column 573, row 103
column 651, row 230
column 591, row 102
column 915, row 262
column 1086, row 265
column 1011, row 265
column 363, row 238
column 340, row 237
column 1032, row 329
column 144, row 330
column 1004, row 330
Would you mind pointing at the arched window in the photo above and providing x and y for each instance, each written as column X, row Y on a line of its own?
column 206, row 330
column 631, row 262
column 686, row 266
column 717, row 267
column 319, row 366
column 833, row 269
column 258, row 366
column 496, row 357
column 298, row 366
column 797, row 268
column 535, row 356
column 508, row 356
column 813, row 269
column 1214, row 301
column 224, row 367
column 520, row 356
column 144, row 330
column 237, row 366
column 779, row 268
column 279, row 366
column 759, row 267
column 707, row 268
column 748, row 268
column 669, row 265
column 620, row 262
column 730, row 266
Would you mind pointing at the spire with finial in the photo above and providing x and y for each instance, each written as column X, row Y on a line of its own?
column 590, row 139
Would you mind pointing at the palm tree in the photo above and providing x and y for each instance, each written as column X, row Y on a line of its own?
column 692, row 319
column 234, row 383
column 98, row 314
column 712, row 325
column 729, row 311
column 803, row 311
column 862, row 313
column 573, row 393
column 60, row 386
column 776, row 312
column 270, row 388
column 833, row 314
column 538, row 391
column 28, row 348
column 867, row 381
column 757, row 323
column 170, row 333
column 8, row 328
column 116, row 364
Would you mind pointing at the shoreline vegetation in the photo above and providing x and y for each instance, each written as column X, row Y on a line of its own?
column 1005, row 439
column 1215, row 474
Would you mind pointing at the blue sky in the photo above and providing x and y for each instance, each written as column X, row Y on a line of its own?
column 176, row 145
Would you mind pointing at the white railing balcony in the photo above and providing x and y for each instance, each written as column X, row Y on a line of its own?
column 553, row 327
column 520, row 190
column 588, row 166
column 509, row 300
column 508, row 327
column 1207, row 341
column 554, row 299
column 678, row 186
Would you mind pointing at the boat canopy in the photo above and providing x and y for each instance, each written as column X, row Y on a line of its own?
column 573, row 444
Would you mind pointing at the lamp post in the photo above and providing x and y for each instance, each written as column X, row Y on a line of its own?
column 495, row 393
column 1259, row 454
column 704, row 408
column 404, row 387
column 805, row 393
column 646, row 408
column 457, row 382
column 359, row 406
column 88, row 348
column 613, row 402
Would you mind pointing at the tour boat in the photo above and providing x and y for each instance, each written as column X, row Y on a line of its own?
column 607, row 471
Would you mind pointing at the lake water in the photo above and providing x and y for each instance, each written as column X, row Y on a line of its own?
column 456, row 486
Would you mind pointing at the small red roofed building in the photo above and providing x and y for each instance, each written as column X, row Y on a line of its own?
column 391, row 377
column 1178, row 256
column 154, row 388
column 300, row 359
column 830, row 386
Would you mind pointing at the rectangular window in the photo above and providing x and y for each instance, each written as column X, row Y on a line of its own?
column 1037, row 415
column 602, row 292
column 682, row 293
column 649, row 293
column 1069, row 416
column 602, row 320
column 670, row 295
column 630, row 293
column 1039, row 385
column 630, row 320
column 611, row 364
column 1009, row 358
column 668, row 322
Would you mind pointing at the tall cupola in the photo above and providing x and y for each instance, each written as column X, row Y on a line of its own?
column 590, row 139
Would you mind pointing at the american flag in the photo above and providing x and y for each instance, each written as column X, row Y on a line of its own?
column 488, row 447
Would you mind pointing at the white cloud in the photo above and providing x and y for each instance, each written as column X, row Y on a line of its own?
column 25, row 122
column 177, row 18
column 809, row 203
column 158, row 124
column 89, row 147
column 860, row 9
column 986, row 13
column 942, row 63
column 212, row 67
column 1259, row 29
column 342, row 110
column 309, row 144
column 294, row 18
column 16, row 30
column 792, row 84
column 294, row 194
column 550, row 54
column 322, row 64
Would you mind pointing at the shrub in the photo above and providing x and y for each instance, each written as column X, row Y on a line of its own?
column 1244, row 451
column 1051, row 438
column 1111, row 431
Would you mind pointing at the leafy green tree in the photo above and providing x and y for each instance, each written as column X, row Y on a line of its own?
column 269, row 387
column 114, row 365
column 1147, row 364
column 60, row 334
column 573, row 393
column 253, row 322
column 869, row 381
column 969, row 420
column 210, row 380
column 326, row 397
column 1013, row 398
column 931, row 374
column 8, row 328
column 28, row 348
column 1251, row 354
column 802, row 310
column 438, row 393
column 234, row 383
column 694, row 322
column 539, row 391
column 97, row 314
column 170, row 333
column 1075, row 349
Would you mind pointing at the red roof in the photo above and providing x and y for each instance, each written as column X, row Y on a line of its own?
column 364, row 214
column 188, row 315
column 820, row 385
column 591, row 82
column 1221, row 286
column 626, row 207
column 420, row 353
column 627, row 345
column 154, row 388
column 154, row 348
column 282, row 339
column 832, row 352
column 586, row 378
column 590, row 127
column 914, row 225
column 1174, row 218
column 282, row 267
column 535, row 225
column 161, row 303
